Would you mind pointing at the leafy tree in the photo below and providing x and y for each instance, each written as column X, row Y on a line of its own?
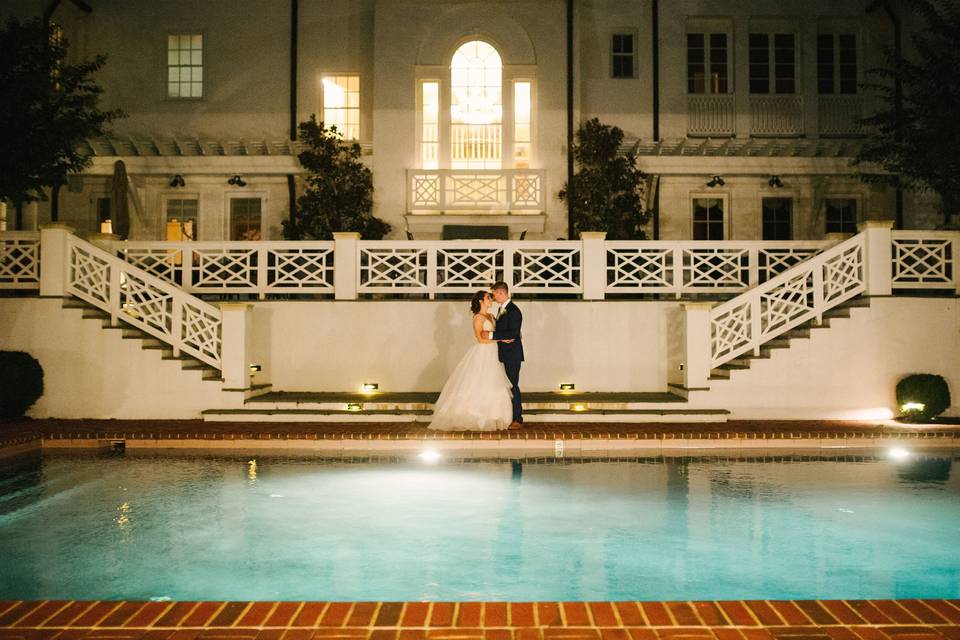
column 48, row 108
column 339, row 192
column 608, row 188
column 917, row 141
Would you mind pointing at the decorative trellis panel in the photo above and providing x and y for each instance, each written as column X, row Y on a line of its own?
column 19, row 260
column 478, row 190
column 925, row 260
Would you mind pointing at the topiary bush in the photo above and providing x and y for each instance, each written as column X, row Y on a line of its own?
column 925, row 389
column 21, row 383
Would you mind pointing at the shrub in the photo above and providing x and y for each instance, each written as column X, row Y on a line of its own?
column 925, row 389
column 21, row 383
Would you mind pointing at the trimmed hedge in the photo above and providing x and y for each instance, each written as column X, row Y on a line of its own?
column 928, row 389
column 21, row 383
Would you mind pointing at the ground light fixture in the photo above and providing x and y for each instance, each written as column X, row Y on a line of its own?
column 370, row 387
column 567, row 386
column 430, row 456
column 255, row 368
column 237, row 181
column 353, row 406
column 912, row 406
column 716, row 181
column 578, row 407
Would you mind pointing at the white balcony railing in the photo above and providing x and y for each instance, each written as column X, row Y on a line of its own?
column 486, row 190
column 711, row 115
column 839, row 115
column 700, row 267
column 19, row 260
column 925, row 259
column 776, row 115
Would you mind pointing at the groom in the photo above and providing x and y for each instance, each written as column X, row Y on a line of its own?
column 509, row 321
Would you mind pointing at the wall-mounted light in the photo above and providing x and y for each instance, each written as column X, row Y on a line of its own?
column 237, row 181
column 177, row 181
column 775, row 182
column 716, row 181
column 567, row 386
column 370, row 387
column 353, row 406
column 255, row 367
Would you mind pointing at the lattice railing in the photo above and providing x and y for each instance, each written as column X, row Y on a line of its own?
column 19, row 260
column 925, row 259
column 143, row 300
column 237, row 267
column 700, row 267
column 488, row 190
column 787, row 300
column 451, row 267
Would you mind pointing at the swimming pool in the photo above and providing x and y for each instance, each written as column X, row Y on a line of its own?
column 253, row 526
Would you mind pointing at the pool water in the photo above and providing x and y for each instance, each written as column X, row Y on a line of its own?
column 250, row 526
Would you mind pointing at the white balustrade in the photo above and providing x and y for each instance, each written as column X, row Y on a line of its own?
column 711, row 115
column 237, row 267
column 463, row 267
column 152, row 304
column 925, row 259
column 700, row 267
column 776, row 115
column 19, row 260
column 840, row 115
column 489, row 190
column 785, row 301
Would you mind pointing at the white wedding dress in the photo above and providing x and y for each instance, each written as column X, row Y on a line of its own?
column 477, row 395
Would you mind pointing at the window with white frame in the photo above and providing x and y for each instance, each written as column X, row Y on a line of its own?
column 522, row 124
column 430, row 124
column 341, row 104
column 476, row 107
column 708, row 67
column 623, row 55
column 773, row 67
column 185, row 65
column 836, row 63
column 181, row 219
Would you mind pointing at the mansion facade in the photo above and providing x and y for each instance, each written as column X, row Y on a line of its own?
column 743, row 113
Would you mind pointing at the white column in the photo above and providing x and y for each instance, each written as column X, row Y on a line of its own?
column 345, row 253
column 235, row 344
column 879, row 256
column 54, row 260
column 593, row 264
column 696, row 344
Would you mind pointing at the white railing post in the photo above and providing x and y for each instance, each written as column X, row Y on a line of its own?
column 677, row 274
column 346, row 265
column 432, row 272
column 955, row 259
column 262, row 272
column 753, row 266
column 879, row 256
column 114, row 292
column 235, row 334
column 697, row 354
column 176, row 327
column 54, row 259
column 593, row 262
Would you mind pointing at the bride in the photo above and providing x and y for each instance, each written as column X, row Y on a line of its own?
column 477, row 395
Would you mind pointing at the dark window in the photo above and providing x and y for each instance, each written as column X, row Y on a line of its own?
column 245, row 219
column 103, row 210
column 781, row 59
column 777, row 219
column 841, row 215
column 622, row 55
column 708, row 219
column 837, row 63
column 707, row 52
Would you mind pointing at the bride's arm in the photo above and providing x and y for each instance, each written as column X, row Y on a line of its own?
column 478, row 330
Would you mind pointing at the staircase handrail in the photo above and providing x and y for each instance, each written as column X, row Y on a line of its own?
column 805, row 291
column 140, row 299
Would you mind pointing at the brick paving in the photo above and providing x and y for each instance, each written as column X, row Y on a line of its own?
column 933, row 619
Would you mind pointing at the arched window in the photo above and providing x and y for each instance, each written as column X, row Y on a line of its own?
column 476, row 107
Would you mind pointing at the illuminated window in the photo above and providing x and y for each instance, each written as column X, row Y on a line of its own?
column 245, row 220
column 708, row 69
column 476, row 107
column 430, row 125
column 182, row 219
column 185, row 66
column 341, row 104
column 521, row 125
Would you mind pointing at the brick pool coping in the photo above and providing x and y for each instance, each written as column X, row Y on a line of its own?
column 933, row 619
column 837, row 435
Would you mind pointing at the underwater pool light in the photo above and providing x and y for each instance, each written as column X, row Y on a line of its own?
column 430, row 456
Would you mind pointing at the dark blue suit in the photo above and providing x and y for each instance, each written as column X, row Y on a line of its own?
column 511, row 353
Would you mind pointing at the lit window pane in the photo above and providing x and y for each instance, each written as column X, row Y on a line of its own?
column 476, row 109
column 184, row 66
column 341, row 104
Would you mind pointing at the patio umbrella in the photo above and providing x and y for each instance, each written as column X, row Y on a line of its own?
column 121, row 209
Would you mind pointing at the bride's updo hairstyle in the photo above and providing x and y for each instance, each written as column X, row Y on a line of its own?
column 476, row 301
